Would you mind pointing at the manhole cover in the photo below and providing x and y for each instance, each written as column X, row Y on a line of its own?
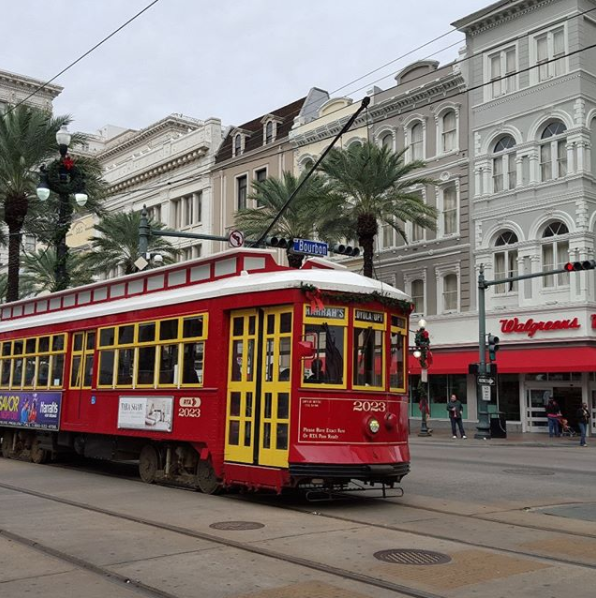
column 236, row 525
column 404, row 556
column 529, row 471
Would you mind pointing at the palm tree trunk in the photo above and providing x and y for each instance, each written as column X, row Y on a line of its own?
column 14, row 255
column 15, row 210
column 367, row 230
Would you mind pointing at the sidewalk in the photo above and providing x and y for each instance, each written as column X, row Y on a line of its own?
column 513, row 439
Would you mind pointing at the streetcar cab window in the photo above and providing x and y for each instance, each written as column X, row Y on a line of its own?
column 327, row 327
column 397, row 363
column 368, row 349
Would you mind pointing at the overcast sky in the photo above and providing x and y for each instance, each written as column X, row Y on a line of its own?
column 232, row 59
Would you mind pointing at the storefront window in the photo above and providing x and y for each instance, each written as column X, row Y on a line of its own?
column 508, row 396
column 440, row 388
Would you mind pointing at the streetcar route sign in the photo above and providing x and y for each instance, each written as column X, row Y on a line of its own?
column 486, row 380
column 236, row 238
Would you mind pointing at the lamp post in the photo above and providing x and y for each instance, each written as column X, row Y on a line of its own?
column 423, row 354
column 63, row 178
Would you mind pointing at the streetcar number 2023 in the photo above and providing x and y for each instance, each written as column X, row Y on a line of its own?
column 369, row 406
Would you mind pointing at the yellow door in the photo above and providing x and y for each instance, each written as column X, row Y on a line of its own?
column 274, row 426
column 242, row 386
column 258, row 402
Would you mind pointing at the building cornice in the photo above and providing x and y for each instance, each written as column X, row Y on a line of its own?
column 173, row 163
column 497, row 14
column 174, row 122
column 29, row 84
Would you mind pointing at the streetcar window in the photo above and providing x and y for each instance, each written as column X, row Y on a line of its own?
column 77, row 343
column 75, row 372
column 283, row 405
column 44, row 344
column 106, row 367
column 234, row 434
column 57, row 369
column 146, row 367
column 285, row 323
column 282, row 437
column 88, row 372
column 235, row 404
column 125, row 367
column 90, row 344
column 267, row 435
column 107, row 337
column 396, row 362
column 238, row 326
column 168, row 364
column 58, row 342
column 17, row 348
column 6, row 348
column 30, row 345
column 43, row 371
column 126, row 335
column 192, row 327
column 17, row 373
column 327, row 366
column 168, row 330
column 368, row 357
column 192, row 370
column 147, row 332
column 5, row 375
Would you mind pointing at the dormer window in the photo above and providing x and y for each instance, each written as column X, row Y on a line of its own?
column 269, row 132
column 238, row 145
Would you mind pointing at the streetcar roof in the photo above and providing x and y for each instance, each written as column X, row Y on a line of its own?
column 323, row 276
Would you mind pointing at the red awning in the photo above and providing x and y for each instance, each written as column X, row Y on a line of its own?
column 523, row 361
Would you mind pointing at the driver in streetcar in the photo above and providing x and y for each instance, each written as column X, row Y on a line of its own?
column 317, row 375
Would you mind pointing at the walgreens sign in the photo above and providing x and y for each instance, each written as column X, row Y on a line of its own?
column 530, row 327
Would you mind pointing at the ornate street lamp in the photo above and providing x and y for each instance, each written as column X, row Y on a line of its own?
column 424, row 356
column 63, row 178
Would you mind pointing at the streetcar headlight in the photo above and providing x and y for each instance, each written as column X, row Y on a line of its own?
column 374, row 426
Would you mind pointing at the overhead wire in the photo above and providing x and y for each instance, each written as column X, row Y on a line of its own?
column 97, row 45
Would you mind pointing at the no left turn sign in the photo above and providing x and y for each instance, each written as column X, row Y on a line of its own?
column 236, row 238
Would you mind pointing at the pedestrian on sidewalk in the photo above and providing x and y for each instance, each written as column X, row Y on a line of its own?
column 455, row 409
column 553, row 413
column 583, row 419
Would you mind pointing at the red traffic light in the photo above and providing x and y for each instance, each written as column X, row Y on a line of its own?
column 577, row 266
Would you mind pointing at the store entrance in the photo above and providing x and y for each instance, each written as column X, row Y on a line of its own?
column 569, row 400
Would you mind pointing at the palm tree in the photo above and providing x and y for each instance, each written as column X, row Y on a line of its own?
column 39, row 270
column 27, row 138
column 375, row 184
column 117, row 245
column 309, row 211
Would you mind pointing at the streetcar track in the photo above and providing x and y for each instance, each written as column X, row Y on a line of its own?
column 362, row 578
column 104, row 573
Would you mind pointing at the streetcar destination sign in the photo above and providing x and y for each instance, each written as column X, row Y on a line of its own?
column 308, row 247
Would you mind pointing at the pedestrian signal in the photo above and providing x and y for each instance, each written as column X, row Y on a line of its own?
column 345, row 250
column 493, row 346
column 576, row 266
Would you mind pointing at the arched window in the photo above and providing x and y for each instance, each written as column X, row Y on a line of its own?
column 593, row 140
column 237, row 145
column 450, row 294
column 553, row 151
column 417, row 292
column 506, row 262
column 417, row 142
column 387, row 140
column 307, row 164
column 555, row 253
column 449, row 132
column 504, row 167
column 355, row 143
column 269, row 132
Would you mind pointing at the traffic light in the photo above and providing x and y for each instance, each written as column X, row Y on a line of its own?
column 576, row 266
column 345, row 250
column 278, row 242
column 493, row 346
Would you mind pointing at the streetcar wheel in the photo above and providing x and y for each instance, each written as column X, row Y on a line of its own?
column 148, row 464
column 206, row 480
column 37, row 454
column 6, row 444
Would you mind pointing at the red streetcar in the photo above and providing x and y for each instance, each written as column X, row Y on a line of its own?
column 225, row 371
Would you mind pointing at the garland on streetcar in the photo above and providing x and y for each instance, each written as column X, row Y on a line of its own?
column 225, row 371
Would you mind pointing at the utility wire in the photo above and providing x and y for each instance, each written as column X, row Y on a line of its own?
column 105, row 39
